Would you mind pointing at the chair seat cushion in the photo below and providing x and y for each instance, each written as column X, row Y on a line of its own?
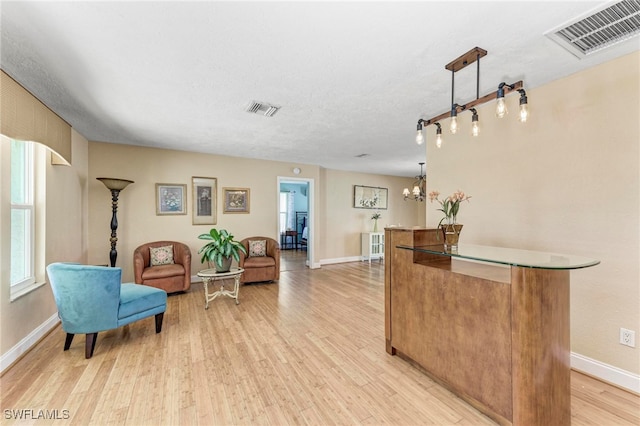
column 162, row 271
column 259, row 262
column 136, row 298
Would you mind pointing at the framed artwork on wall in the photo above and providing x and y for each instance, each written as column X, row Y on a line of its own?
column 369, row 197
column 171, row 199
column 236, row 200
column 204, row 192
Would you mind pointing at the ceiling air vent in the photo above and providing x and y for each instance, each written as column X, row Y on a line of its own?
column 603, row 27
column 262, row 108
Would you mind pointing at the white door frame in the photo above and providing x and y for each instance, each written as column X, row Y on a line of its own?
column 310, row 213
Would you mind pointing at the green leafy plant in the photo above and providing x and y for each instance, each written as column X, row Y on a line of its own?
column 376, row 216
column 221, row 246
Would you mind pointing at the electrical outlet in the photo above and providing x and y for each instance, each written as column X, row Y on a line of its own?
column 627, row 337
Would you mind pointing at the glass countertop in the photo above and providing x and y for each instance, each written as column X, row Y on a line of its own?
column 508, row 256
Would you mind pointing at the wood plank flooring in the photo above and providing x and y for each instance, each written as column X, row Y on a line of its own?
column 308, row 350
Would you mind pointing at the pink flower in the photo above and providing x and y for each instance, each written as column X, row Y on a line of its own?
column 459, row 196
column 451, row 205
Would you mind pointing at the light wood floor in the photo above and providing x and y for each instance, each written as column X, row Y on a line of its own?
column 292, row 260
column 309, row 350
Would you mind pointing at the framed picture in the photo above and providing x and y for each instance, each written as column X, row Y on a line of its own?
column 204, row 203
column 171, row 199
column 369, row 197
column 236, row 200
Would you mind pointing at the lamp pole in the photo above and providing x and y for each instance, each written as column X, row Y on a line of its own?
column 115, row 186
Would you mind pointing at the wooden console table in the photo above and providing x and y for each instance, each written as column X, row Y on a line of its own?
column 491, row 324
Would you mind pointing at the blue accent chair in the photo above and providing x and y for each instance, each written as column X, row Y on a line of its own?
column 91, row 299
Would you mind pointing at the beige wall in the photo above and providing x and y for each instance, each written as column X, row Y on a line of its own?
column 336, row 228
column 65, row 239
column 344, row 223
column 567, row 181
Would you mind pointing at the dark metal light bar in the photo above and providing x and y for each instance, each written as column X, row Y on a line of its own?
column 486, row 98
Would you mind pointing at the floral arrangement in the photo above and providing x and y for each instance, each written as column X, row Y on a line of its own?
column 376, row 216
column 450, row 205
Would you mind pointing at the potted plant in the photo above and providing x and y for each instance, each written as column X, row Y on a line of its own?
column 221, row 249
column 450, row 207
column 375, row 218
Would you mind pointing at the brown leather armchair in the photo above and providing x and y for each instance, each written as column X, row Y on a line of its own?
column 260, row 268
column 172, row 277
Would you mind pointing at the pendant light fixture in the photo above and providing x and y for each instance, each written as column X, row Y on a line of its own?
column 419, row 135
column 524, row 107
column 504, row 89
column 501, row 107
column 475, row 128
column 438, row 135
column 453, row 126
column 418, row 193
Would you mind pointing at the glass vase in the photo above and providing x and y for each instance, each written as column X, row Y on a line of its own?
column 451, row 234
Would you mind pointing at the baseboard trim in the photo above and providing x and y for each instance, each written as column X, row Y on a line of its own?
column 15, row 353
column 605, row 372
column 340, row 260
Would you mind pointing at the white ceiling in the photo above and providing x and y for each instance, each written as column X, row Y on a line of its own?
column 351, row 77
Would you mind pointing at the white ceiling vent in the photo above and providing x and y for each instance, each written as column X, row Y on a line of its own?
column 600, row 28
column 262, row 108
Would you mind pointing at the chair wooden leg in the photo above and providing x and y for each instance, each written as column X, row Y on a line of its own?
column 90, row 344
column 159, row 318
column 67, row 341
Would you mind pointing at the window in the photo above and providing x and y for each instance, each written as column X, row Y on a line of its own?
column 22, row 215
column 28, row 183
column 287, row 219
column 283, row 211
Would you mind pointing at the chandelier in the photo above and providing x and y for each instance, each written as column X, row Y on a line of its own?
column 419, row 187
column 468, row 58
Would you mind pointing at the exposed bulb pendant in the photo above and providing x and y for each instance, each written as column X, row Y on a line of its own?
column 524, row 107
column 453, row 126
column 524, row 113
column 438, row 135
column 475, row 129
column 501, row 107
column 419, row 135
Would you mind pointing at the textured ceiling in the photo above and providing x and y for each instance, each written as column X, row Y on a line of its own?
column 351, row 77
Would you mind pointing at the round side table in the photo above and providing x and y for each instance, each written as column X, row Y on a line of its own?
column 209, row 276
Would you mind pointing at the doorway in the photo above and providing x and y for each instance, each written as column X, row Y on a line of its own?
column 294, row 220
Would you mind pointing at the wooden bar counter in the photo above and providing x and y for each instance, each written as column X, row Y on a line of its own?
column 490, row 324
